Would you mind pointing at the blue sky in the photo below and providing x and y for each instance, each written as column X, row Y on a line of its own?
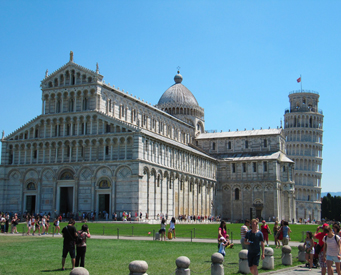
column 240, row 59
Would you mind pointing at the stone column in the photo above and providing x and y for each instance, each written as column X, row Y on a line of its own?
column 286, row 255
column 217, row 267
column 301, row 253
column 63, row 146
column 77, row 146
column 182, row 264
column 44, row 149
column 243, row 262
column 19, row 155
column 269, row 260
column 138, row 268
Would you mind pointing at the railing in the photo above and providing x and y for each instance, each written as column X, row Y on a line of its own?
column 303, row 109
column 303, row 91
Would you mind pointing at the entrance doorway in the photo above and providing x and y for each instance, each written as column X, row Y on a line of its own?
column 31, row 204
column 66, row 200
column 103, row 203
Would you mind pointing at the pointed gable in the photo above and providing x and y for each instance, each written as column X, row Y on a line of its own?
column 70, row 74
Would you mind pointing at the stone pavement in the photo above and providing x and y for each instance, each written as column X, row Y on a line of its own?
column 298, row 270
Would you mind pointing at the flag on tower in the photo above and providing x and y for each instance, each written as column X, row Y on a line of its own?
column 299, row 80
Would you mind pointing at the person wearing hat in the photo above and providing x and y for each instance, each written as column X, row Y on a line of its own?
column 266, row 231
column 319, row 247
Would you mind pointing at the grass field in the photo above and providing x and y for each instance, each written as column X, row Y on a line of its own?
column 201, row 231
column 42, row 255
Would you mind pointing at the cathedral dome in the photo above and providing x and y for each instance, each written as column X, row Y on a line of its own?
column 178, row 94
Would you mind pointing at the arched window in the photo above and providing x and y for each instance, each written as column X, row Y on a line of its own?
column 85, row 103
column 31, row 186
column 66, row 175
column 104, row 184
column 71, row 104
column 213, row 145
column 229, row 145
column 265, row 143
column 236, row 194
column 246, row 144
column 58, row 106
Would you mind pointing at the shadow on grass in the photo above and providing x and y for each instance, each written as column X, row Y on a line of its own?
column 54, row 270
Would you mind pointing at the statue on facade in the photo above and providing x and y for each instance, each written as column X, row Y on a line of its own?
column 71, row 56
column 46, row 73
column 97, row 68
column 3, row 134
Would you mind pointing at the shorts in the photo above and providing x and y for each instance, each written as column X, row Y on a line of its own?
column 253, row 259
column 321, row 260
column 333, row 259
column 69, row 249
column 312, row 251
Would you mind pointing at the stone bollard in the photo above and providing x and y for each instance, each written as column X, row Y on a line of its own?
column 157, row 236
column 217, row 267
column 79, row 271
column 182, row 264
column 286, row 255
column 269, row 260
column 138, row 268
column 301, row 253
column 243, row 262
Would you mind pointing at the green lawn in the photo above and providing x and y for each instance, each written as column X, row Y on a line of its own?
column 201, row 231
column 41, row 255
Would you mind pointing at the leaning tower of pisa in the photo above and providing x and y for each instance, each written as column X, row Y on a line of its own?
column 303, row 128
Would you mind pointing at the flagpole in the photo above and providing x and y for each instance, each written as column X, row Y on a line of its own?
column 301, row 82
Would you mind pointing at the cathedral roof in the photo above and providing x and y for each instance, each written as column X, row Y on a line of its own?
column 256, row 156
column 178, row 94
column 246, row 133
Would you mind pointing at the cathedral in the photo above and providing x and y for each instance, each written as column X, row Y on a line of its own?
column 98, row 148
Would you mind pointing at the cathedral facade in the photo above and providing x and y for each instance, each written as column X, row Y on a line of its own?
column 98, row 148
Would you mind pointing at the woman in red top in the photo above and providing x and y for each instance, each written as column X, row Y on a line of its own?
column 222, row 231
column 266, row 231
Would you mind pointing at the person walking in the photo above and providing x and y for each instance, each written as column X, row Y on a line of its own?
column 243, row 230
column 172, row 226
column 69, row 235
column 309, row 248
column 319, row 247
column 255, row 241
column 162, row 231
column 286, row 233
column 332, row 250
column 275, row 230
column 266, row 231
column 81, row 247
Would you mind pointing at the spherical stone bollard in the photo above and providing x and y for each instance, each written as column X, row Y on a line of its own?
column 243, row 262
column 286, row 255
column 182, row 264
column 79, row 271
column 217, row 267
column 269, row 260
column 301, row 253
column 138, row 268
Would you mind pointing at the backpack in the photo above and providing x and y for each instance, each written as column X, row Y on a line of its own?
column 325, row 238
column 79, row 238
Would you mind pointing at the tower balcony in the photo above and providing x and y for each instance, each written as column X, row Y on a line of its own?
column 303, row 109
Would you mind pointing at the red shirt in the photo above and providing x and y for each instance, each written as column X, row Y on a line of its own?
column 264, row 229
column 319, row 237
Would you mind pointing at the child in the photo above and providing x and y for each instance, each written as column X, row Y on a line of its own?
column 309, row 249
column 222, row 245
